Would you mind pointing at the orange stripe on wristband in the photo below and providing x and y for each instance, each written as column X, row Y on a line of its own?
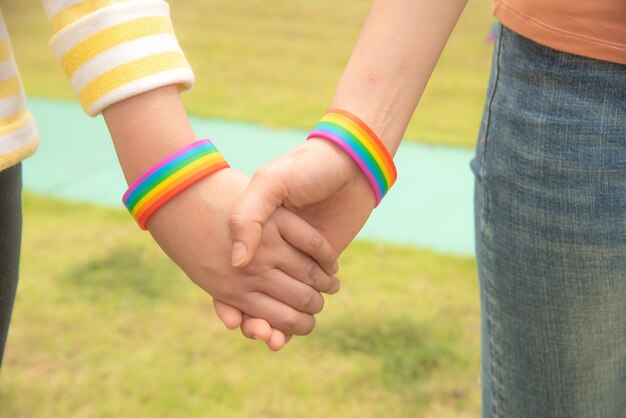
column 143, row 218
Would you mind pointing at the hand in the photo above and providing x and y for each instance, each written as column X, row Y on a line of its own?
column 192, row 230
column 312, row 180
column 317, row 181
column 192, row 227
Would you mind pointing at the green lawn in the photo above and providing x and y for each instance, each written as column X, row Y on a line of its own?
column 276, row 62
column 106, row 326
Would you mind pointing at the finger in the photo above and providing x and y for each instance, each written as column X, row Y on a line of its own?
column 277, row 340
column 279, row 315
column 256, row 328
column 299, row 296
column 264, row 194
column 300, row 267
column 307, row 239
column 230, row 316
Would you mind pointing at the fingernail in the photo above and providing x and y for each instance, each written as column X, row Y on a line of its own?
column 335, row 267
column 336, row 288
column 239, row 254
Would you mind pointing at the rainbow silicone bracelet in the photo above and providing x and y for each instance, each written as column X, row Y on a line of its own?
column 169, row 177
column 362, row 145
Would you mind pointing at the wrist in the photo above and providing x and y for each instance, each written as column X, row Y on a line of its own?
column 344, row 169
column 171, row 176
column 358, row 141
column 195, row 217
column 213, row 196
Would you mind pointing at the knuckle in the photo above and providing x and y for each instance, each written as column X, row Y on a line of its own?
column 315, row 242
column 237, row 220
column 308, row 298
column 309, row 275
column 289, row 323
column 332, row 254
column 270, row 178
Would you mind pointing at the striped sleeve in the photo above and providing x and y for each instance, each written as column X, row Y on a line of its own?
column 114, row 49
column 18, row 134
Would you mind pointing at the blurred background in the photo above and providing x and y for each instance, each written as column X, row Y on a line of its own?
column 105, row 325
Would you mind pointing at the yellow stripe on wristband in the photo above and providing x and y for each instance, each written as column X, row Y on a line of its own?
column 179, row 176
column 169, row 177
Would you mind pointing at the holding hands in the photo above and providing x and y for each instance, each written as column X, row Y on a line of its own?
column 266, row 254
column 266, row 249
column 281, row 284
column 331, row 195
column 293, row 262
column 329, row 182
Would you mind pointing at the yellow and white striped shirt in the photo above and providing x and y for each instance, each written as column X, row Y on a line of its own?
column 109, row 50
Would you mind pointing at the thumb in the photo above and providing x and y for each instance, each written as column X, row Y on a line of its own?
column 264, row 194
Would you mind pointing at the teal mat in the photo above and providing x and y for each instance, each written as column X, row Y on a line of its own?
column 430, row 205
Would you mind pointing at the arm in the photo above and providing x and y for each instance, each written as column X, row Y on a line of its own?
column 123, row 59
column 191, row 228
column 382, row 83
column 393, row 59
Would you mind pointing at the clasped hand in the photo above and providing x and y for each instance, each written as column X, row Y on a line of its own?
column 266, row 249
column 318, row 182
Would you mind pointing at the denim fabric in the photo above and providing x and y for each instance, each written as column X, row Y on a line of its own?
column 550, row 206
column 10, row 238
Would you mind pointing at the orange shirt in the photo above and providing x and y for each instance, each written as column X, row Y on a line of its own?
column 591, row 28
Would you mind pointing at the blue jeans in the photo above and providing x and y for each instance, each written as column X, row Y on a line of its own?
column 550, row 206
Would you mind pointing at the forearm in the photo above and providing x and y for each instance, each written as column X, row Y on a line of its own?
column 146, row 128
column 395, row 55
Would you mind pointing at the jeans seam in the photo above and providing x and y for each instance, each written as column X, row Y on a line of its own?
column 493, row 92
column 494, row 380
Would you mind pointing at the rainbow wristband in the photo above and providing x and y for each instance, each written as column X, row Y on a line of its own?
column 362, row 145
column 171, row 176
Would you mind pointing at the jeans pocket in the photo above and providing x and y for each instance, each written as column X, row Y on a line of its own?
column 478, row 163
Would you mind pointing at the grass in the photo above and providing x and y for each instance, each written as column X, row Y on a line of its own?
column 105, row 325
column 276, row 62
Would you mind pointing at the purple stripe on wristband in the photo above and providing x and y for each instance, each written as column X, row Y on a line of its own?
column 355, row 157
